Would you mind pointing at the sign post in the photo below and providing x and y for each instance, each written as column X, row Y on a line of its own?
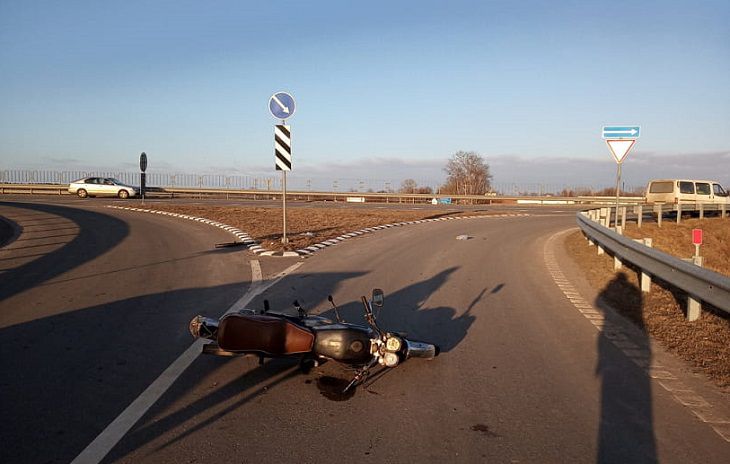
column 282, row 106
column 143, row 176
column 620, row 140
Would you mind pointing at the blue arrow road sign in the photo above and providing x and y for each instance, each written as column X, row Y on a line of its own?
column 621, row 132
column 282, row 105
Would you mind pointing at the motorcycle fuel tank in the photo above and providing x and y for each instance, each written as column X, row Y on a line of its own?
column 343, row 343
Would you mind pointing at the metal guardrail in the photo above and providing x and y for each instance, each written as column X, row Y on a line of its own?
column 701, row 284
column 295, row 180
column 61, row 189
column 43, row 189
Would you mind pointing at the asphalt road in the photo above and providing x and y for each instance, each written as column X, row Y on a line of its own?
column 523, row 376
column 93, row 306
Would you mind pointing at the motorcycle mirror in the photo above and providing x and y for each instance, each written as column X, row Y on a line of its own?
column 378, row 297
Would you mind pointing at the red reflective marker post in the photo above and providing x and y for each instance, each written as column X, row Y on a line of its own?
column 697, row 240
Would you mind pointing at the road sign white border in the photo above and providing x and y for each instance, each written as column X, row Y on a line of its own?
column 620, row 125
column 610, row 148
column 292, row 99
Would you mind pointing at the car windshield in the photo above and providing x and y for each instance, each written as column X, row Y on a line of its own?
column 115, row 181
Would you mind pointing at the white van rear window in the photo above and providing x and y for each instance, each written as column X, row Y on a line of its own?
column 661, row 187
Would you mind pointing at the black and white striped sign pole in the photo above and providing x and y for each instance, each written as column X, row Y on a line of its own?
column 282, row 158
column 282, row 106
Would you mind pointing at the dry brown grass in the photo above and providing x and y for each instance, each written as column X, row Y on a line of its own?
column 319, row 224
column 676, row 239
column 704, row 343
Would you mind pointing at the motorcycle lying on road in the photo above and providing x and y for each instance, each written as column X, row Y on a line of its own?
column 311, row 338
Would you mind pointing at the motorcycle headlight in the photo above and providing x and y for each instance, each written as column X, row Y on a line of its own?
column 393, row 344
column 391, row 359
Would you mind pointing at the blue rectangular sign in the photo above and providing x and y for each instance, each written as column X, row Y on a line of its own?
column 621, row 132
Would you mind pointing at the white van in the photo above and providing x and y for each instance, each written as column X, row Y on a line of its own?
column 673, row 191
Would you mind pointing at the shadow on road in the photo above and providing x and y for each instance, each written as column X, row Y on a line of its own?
column 87, row 245
column 404, row 311
column 8, row 232
column 65, row 377
column 626, row 428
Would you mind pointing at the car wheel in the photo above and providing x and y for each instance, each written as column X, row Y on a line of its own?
column 123, row 194
column 82, row 193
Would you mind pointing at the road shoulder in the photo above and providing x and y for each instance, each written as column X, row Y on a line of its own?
column 708, row 402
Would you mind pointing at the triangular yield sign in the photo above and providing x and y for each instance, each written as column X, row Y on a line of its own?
column 620, row 148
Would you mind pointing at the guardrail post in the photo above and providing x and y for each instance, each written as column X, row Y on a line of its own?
column 702, row 211
column 646, row 278
column 694, row 306
column 679, row 212
column 659, row 210
column 623, row 217
column 722, row 209
column 639, row 210
column 617, row 264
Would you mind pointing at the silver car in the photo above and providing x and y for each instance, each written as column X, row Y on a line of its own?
column 101, row 187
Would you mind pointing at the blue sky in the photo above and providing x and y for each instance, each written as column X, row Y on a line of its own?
column 384, row 89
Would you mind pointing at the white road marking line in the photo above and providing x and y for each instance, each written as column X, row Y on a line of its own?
column 114, row 432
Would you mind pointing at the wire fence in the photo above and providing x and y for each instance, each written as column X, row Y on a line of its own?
column 295, row 183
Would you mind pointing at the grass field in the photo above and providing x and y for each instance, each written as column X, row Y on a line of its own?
column 676, row 240
column 305, row 226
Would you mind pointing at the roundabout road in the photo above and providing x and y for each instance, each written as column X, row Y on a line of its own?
column 523, row 376
column 94, row 305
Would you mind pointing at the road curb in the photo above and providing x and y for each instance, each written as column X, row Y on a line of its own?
column 255, row 247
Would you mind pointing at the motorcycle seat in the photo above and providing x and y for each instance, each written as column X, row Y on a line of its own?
column 263, row 334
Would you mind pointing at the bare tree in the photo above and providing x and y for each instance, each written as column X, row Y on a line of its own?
column 467, row 174
column 408, row 186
